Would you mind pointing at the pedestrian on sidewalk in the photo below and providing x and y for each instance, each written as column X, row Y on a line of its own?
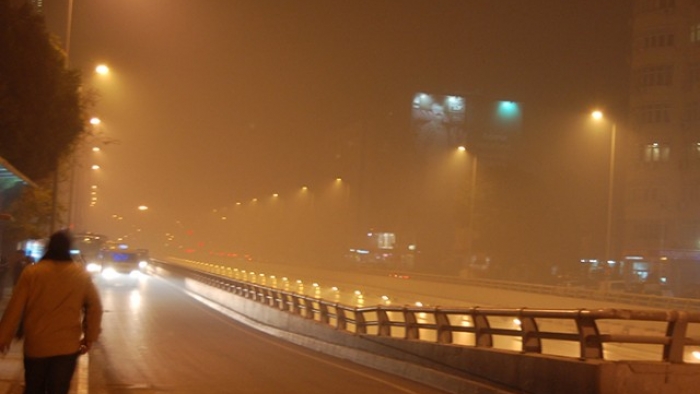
column 61, row 313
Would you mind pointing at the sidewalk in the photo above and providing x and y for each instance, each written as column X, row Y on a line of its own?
column 11, row 364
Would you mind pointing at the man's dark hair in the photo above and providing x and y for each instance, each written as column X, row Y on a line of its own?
column 58, row 248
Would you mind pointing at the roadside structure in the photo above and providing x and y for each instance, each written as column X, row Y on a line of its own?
column 12, row 181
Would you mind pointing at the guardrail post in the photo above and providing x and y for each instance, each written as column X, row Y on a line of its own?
column 260, row 294
column 481, row 330
column 676, row 331
column 412, row 331
column 253, row 291
column 383, row 323
column 360, row 323
column 308, row 308
column 342, row 323
column 444, row 328
column 284, row 301
column 271, row 295
column 531, row 343
column 294, row 307
column 589, row 337
column 324, row 317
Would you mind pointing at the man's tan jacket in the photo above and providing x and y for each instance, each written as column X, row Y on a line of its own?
column 58, row 305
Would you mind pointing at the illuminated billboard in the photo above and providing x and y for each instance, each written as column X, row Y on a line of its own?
column 438, row 120
column 487, row 126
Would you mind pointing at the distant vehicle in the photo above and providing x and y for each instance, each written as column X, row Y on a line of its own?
column 111, row 262
column 88, row 245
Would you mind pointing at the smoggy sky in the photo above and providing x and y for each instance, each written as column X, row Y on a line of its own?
column 217, row 100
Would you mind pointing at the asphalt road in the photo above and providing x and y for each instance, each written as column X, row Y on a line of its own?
column 157, row 339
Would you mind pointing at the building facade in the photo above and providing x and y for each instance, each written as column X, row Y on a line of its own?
column 662, row 139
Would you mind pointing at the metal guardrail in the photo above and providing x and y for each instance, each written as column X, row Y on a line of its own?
column 445, row 323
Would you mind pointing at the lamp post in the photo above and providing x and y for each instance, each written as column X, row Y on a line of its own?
column 598, row 115
column 472, row 201
column 100, row 69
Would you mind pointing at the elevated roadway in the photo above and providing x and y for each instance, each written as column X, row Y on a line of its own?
column 361, row 289
column 586, row 368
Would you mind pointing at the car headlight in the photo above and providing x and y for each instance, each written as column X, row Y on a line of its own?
column 93, row 267
column 109, row 273
column 143, row 264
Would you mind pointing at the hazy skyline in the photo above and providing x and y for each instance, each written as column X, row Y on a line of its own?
column 217, row 100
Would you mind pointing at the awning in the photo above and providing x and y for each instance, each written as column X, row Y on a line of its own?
column 9, row 176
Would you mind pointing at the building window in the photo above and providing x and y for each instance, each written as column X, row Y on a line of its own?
column 652, row 76
column 653, row 113
column 655, row 152
column 695, row 33
column 660, row 40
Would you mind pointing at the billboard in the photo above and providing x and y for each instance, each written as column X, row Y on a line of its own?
column 438, row 120
column 487, row 126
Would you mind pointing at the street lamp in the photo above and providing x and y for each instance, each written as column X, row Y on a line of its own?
column 472, row 200
column 102, row 69
column 598, row 116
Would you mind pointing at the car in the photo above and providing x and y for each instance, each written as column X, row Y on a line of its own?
column 120, row 261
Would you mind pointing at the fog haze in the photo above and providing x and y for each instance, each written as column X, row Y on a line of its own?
column 215, row 102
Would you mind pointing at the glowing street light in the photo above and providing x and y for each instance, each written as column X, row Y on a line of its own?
column 102, row 69
column 95, row 121
column 143, row 208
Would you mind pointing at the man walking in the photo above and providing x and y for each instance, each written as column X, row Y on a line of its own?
column 61, row 313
